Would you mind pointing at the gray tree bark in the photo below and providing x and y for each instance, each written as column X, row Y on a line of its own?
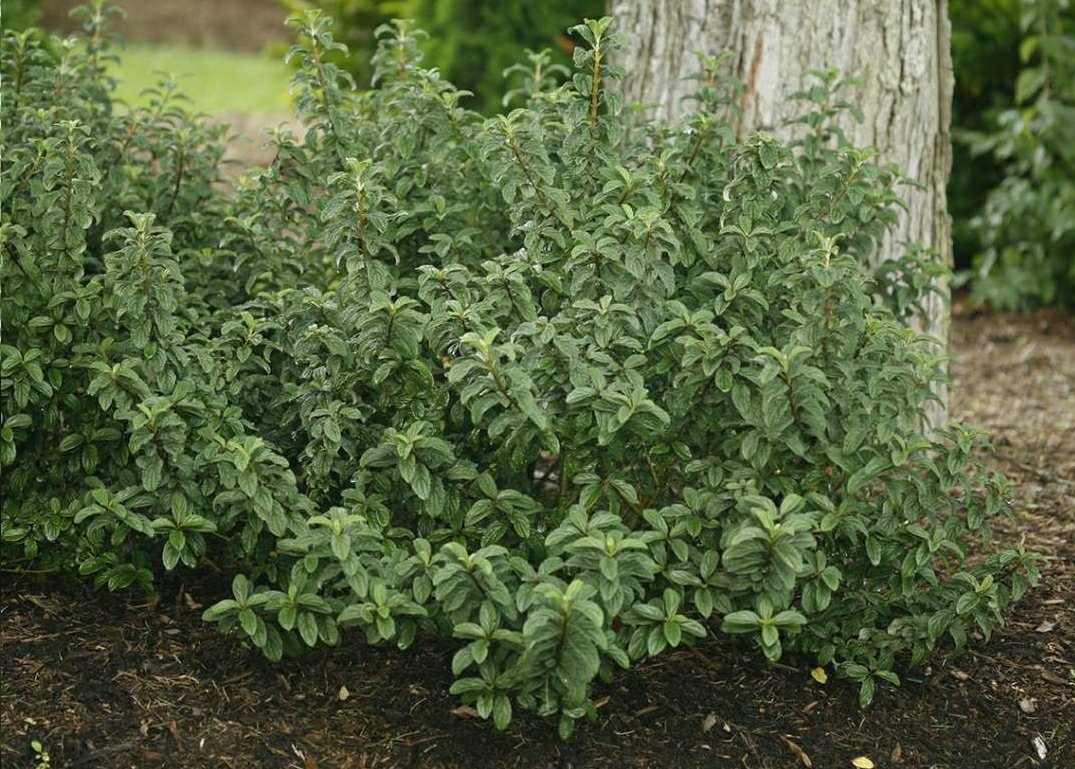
column 898, row 49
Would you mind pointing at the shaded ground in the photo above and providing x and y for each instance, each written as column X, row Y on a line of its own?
column 103, row 681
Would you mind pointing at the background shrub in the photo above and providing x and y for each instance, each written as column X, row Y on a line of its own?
column 19, row 14
column 1025, row 229
column 569, row 388
column 985, row 58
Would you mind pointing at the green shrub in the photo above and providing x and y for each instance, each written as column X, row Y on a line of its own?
column 985, row 58
column 568, row 388
column 19, row 14
column 471, row 42
column 1027, row 225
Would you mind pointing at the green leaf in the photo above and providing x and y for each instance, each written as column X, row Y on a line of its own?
column 703, row 601
column 1029, row 82
column 170, row 556
column 789, row 618
column 967, row 603
column 873, row 551
column 288, row 616
column 866, row 692
column 249, row 621
column 219, row 610
column 72, row 442
column 744, row 621
column 770, row 636
column 501, row 711
column 655, row 641
column 307, row 625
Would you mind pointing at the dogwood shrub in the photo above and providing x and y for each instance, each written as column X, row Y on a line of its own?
column 564, row 386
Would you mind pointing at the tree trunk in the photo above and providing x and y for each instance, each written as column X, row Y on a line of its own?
column 899, row 50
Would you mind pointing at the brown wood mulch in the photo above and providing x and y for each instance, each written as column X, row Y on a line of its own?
column 119, row 681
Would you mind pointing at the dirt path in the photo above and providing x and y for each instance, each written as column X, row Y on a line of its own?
column 234, row 25
column 105, row 681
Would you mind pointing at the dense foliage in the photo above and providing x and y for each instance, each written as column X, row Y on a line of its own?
column 568, row 388
column 1026, row 228
column 471, row 42
column 985, row 59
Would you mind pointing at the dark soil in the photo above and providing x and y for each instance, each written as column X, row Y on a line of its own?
column 111, row 681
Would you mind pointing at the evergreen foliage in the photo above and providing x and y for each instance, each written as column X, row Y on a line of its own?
column 566, row 387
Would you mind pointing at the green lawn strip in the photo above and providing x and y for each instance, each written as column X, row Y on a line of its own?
column 217, row 82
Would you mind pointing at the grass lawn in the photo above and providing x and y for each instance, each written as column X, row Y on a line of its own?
column 217, row 82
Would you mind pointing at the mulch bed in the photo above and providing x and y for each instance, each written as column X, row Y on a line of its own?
column 122, row 681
